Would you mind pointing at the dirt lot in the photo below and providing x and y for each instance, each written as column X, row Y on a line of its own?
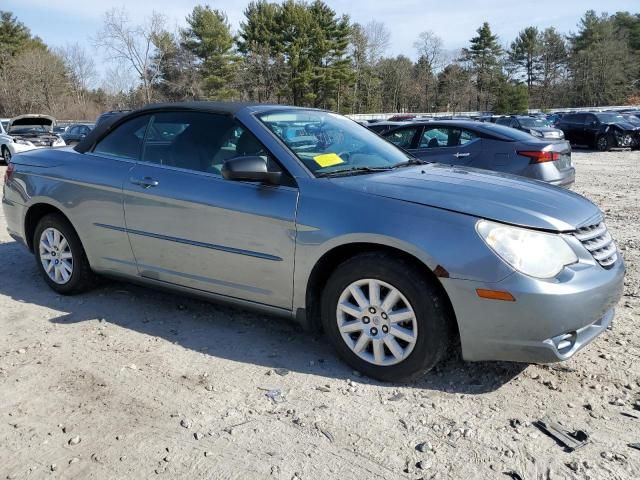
column 126, row 382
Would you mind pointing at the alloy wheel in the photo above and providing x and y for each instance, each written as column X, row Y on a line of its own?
column 377, row 322
column 55, row 256
column 603, row 143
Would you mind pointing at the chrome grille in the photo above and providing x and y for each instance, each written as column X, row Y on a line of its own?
column 598, row 241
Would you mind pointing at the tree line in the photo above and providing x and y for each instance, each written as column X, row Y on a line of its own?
column 305, row 53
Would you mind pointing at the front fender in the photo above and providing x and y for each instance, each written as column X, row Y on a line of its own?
column 329, row 218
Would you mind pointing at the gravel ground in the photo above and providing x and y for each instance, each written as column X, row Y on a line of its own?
column 127, row 382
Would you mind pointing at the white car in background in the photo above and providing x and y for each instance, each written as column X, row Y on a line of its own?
column 28, row 132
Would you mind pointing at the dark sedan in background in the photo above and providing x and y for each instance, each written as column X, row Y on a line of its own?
column 75, row 133
column 487, row 146
column 536, row 126
column 601, row 130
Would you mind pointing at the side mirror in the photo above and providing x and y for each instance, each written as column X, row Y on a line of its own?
column 249, row 169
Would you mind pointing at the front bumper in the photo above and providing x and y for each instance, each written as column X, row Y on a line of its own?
column 548, row 322
column 16, row 148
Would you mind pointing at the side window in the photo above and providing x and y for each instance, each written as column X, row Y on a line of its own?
column 446, row 137
column 590, row 119
column 199, row 141
column 579, row 119
column 74, row 130
column 402, row 138
column 503, row 121
column 514, row 123
column 434, row 138
column 467, row 136
column 126, row 140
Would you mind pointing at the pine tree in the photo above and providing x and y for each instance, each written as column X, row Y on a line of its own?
column 209, row 38
column 525, row 54
column 484, row 55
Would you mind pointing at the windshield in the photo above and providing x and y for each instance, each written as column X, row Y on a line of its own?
column 610, row 117
column 531, row 122
column 632, row 119
column 329, row 143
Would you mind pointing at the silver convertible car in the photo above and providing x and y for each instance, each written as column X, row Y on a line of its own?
column 307, row 214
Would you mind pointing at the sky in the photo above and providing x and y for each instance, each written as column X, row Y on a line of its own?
column 59, row 22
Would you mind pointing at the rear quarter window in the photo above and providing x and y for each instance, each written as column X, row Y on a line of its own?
column 506, row 133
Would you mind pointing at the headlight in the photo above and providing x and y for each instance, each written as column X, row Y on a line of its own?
column 537, row 254
column 20, row 141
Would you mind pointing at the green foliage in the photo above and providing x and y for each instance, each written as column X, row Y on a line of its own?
column 302, row 52
column 512, row 98
column 15, row 36
column 603, row 66
column 309, row 41
column 485, row 58
column 525, row 53
column 208, row 37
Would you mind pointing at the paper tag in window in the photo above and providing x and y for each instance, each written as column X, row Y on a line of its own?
column 328, row 160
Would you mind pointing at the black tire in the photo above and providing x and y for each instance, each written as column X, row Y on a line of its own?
column 6, row 154
column 434, row 318
column 82, row 277
column 604, row 142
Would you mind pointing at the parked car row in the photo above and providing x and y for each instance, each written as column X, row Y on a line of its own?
column 601, row 130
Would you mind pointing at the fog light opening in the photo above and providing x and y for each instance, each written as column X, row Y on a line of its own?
column 564, row 343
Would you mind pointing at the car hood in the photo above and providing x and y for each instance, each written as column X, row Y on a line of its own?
column 625, row 126
column 481, row 193
column 32, row 120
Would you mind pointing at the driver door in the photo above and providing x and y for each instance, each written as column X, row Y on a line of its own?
column 189, row 226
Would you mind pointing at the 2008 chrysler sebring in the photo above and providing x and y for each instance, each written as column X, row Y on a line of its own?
column 305, row 213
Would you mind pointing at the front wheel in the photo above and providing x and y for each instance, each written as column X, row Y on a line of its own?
column 604, row 143
column 384, row 318
column 6, row 154
column 60, row 256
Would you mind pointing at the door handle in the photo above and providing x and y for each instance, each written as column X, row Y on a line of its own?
column 145, row 182
column 461, row 155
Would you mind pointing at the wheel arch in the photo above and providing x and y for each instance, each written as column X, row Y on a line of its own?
column 330, row 260
column 34, row 215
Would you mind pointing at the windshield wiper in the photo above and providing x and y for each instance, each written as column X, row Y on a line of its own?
column 352, row 171
column 411, row 162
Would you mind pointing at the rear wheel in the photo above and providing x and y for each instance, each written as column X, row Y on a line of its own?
column 60, row 256
column 384, row 318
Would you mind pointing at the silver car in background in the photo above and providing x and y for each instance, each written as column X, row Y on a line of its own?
column 487, row 146
column 306, row 214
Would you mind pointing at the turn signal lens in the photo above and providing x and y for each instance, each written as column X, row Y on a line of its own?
column 540, row 157
column 495, row 295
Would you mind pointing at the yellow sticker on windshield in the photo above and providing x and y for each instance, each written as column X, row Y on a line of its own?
column 328, row 160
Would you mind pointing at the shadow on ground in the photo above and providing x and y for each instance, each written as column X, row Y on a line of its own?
column 221, row 331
